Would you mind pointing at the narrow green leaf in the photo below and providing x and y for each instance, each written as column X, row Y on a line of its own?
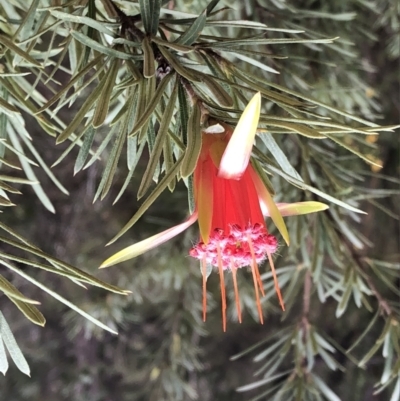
column 30, row 312
column 396, row 391
column 259, row 86
column 352, row 150
column 148, row 59
column 387, row 369
column 56, row 270
column 211, row 5
column 161, row 136
column 78, row 19
column 12, row 347
column 262, row 355
column 220, row 94
column 9, row 188
column 97, row 60
column 262, row 342
column 253, row 61
column 79, row 274
column 347, row 230
column 262, row 382
column 9, row 163
column 347, row 16
column 5, row 202
column 182, row 18
column 131, row 151
column 102, row 146
column 12, row 46
column 27, row 23
column 250, row 24
column 150, row 200
column 80, row 115
column 341, row 129
column 254, row 42
column 169, row 160
column 28, row 143
column 7, row 106
column 279, row 155
column 85, row 149
column 18, row 180
column 143, row 117
column 101, row 48
column 132, row 113
column 134, row 70
column 194, row 30
column 3, row 123
column 365, row 332
column 76, row 141
column 315, row 102
column 304, row 186
column 18, row 87
column 10, row 290
column 56, row 296
column 3, row 358
column 194, row 140
column 326, row 391
column 172, row 45
column 111, row 166
column 29, row 173
column 150, row 11
column 318, row 253
column 151, row 141
column 122, row 113
column 14, row 234
column 308, row 132
column 183, row 111
column 132, row 168
column 178, row 67
column 378, row 344
column 103, row 102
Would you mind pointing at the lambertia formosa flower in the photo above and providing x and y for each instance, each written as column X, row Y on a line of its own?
column 231, row 202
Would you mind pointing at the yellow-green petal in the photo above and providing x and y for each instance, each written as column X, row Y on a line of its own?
column 297, row 208
column 143, row 246
column 273, row 210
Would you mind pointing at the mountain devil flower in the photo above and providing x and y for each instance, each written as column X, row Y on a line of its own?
column 232, row 227
column 230, row 204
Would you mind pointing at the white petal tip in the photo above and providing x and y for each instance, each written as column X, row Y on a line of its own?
column 238, row 151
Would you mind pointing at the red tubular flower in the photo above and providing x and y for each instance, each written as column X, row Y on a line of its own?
column 232, row 227
column 231, row 200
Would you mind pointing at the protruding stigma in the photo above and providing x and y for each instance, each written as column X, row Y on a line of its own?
column 277, row 289
column 222, row 284
column 204, row 274
column 235, row 286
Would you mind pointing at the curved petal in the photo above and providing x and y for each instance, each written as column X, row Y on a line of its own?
column 203, row 182
column 268, row 204
column 149, row 243
column 237, row 153
column 297, row 208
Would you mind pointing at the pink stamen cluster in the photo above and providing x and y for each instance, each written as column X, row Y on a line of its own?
column 237, row 248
